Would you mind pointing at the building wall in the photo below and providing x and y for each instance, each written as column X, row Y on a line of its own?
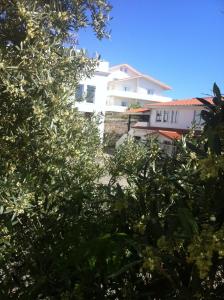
column 125, row 101
column 103, row 66
column 137, row 85
column 136, row 132
column 145, row 85
column 100, row 81
column 126, row 85
column 116, row 123
column 134, row 91
column 118, row 74
column 104, row 80
column 116, row 126
column 142, row 135
column 185, row 117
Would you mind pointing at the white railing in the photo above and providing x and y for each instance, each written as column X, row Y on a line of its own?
column 116, row 108
column 139, row 96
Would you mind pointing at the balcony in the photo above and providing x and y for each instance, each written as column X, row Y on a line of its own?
column 116, row 108
column 139, row 96
column 87, row 107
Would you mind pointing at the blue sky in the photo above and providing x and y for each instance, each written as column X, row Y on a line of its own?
column 179, row 42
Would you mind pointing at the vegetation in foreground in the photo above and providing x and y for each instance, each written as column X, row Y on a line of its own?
column 62, row 235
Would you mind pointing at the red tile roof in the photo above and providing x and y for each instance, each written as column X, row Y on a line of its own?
column 184, row 102
column 173, row 135
column 137, row 110
column 156, row 129
column 139, row 74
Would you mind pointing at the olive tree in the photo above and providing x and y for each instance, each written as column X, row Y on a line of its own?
column 49, row 152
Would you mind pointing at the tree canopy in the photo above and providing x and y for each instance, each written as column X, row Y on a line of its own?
column 49, row 152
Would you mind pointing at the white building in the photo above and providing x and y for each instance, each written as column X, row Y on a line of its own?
column 117, row 88
column 168, row 121
column 91, row 93
column 127, row 86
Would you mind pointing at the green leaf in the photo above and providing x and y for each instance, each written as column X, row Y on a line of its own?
column 195, row 149
column 217, row 92
column 1, row 209
column 207, row 104
column 187, row 220
column 217, row 101
column 13, row 216
column 125, row 268
column 206, row 116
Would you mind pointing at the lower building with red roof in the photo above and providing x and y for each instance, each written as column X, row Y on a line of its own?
column 168, row 121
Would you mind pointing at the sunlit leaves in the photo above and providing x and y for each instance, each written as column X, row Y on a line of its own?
column 49, row 156
column 173, row 208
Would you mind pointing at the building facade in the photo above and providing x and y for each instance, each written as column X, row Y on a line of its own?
column 91, row 94
column 117, row 88
column 128, row 87
column 169, row 121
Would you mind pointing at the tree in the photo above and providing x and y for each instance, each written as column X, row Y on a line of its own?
column 49, row 152
column 170, row 216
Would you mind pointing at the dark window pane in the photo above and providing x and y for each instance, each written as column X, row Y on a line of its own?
column 144, row 118
column 79, row 92
column 124, row 103
column 150, row 92
column 174, row 115
column 90, row 96
column 165, row 116
column 158, row 116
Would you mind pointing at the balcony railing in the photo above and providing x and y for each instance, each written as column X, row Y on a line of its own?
column 116, row 108
column 139, row 96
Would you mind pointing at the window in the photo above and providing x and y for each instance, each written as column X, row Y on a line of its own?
column 90, row 96
column 124, row 69
column 79, row 92
column 150, row 92
column 174, row 115
column 144, row 118
column 197, row 117
column 158, row 116
column 124, row 103
column 126, row 88
column 165, row 116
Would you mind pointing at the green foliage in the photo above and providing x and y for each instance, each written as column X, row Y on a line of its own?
column 171, row 213
column 109, row 141
column 214, row 119
column 134, row 105
column 49, row 153
column 65, row 236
